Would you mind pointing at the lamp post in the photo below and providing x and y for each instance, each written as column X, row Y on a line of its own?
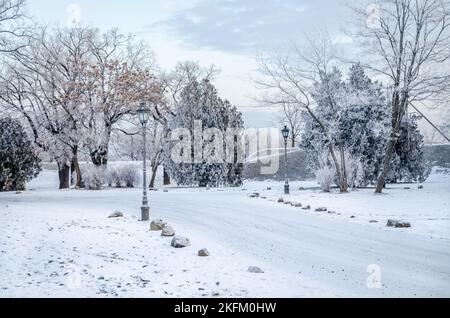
column 285, row 131
column 143, row 114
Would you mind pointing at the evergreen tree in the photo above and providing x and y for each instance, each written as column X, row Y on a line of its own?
column 358, row 114
column 365, row 123
column 409, row 164
column 200, row 109
column 19, row 162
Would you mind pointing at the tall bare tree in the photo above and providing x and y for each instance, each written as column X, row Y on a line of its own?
column 409, row 43
column 120, row 77
column 44, row 85
column 288, row 79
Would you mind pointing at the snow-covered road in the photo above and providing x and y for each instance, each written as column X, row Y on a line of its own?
column 303, row 252
column 333, row 252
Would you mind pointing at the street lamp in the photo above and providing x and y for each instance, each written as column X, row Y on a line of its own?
column 143, row 114
column 285, row 131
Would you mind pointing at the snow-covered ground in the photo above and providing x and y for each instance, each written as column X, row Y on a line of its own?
column 62, row 243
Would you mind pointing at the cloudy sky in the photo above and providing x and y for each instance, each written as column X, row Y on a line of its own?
column 226, row 33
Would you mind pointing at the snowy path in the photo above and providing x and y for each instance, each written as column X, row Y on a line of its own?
column 51, row 239
column 329, row 251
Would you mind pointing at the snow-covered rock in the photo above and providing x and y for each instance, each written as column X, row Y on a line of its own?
column 255, row 270
column 168, row 231
column 203, row 252
column 321, row 209
column 180, row 242
column 398, row 224
column 116, row 214
column 157, row 225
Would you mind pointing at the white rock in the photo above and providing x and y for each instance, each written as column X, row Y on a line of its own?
column 168, row 231
column 157, row 225
column 180, row 242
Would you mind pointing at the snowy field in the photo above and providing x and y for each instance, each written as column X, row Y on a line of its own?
column 62, row 243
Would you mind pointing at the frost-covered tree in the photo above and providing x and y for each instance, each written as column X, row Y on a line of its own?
column 198, row 110
column 291, row 77
column 409, row 163
column 43, row 83
column 408, row 44
column 19, row 161
column 120, row 76
column 360, row 116
column 292, row 117
column 12, row 27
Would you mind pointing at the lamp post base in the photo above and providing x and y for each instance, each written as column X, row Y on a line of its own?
column 145, row 213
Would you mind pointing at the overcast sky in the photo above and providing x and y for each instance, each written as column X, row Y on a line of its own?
column 226, row 33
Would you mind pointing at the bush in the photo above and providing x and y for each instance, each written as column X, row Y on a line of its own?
column 325, row 177
column 94, row 178
column 114, row 177
column 325, row 174
column 122, row 175
column 19, row 161
column 129, row 175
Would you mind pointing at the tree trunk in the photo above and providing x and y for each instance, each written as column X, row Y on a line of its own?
column 386, row 165
column 166, row 177
column 76, row 168
column 336, row 165
column 64, row 176
column 343, row 185
column 398, row 110
column 153, row 178
column 99, row 156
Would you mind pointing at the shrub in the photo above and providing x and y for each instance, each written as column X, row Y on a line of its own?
column 114, row 177
column 325, row 174
column 129, row 175
column 94, row 178
column 19, row 161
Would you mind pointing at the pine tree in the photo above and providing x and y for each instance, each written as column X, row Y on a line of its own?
column 409, row 163
column 19, row 162
column 199, row 109
column 365, row 123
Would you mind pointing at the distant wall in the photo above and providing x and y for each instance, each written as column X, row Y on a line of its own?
column 438, row 155
column 297, row 169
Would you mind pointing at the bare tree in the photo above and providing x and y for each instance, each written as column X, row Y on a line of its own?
column 12, row 28
column 409, row 41
column 288, row 79
column 292, row 117
column 43, row 84
column 120, row 76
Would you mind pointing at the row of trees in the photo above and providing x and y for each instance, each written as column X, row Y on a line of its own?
column 73, row 87
column 77, row 89
column 406, row 44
